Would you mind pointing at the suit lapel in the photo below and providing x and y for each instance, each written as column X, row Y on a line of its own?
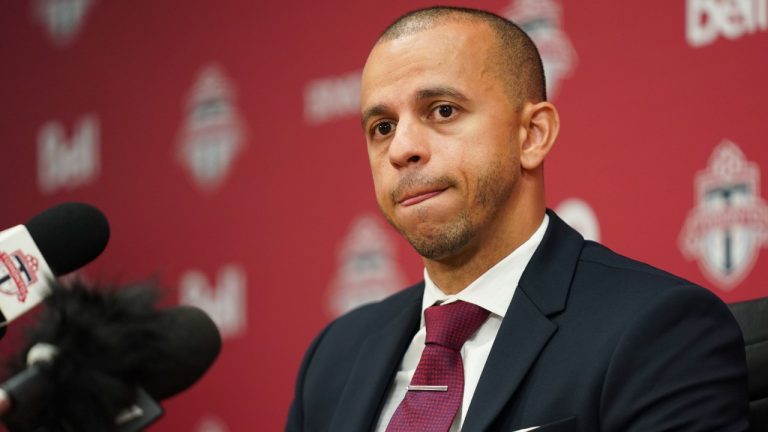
column 375, row 367
column 508, row 363
column 527, row 327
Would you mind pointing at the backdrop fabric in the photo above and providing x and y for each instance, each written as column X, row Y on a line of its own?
column 222, row 140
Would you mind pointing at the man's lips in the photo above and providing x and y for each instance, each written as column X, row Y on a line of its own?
column 417, row 197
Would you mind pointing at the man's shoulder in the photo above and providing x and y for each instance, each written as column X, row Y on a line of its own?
column 599, row 260
column 627, row 287
column 653, row 336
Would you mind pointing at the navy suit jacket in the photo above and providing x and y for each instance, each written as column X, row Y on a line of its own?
column 592, row 341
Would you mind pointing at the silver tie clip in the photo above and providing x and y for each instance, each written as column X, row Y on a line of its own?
column 427, row 388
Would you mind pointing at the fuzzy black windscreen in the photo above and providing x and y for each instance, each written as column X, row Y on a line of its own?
column 105, row 337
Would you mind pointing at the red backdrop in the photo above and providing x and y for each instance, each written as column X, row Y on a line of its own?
column 222, row 141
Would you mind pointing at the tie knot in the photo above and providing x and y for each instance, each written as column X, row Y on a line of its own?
column 452, row 324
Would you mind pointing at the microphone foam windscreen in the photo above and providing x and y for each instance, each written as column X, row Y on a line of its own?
column 69, row 235
column 192, row 343
column 110, row 342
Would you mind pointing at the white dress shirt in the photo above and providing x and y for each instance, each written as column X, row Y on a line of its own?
column 493, row 291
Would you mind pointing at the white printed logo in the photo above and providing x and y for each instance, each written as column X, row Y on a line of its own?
column 211, row 424
column 729, row 224
column 330, row 98
column 224, row 302
column 62, row 18
column 580, row 216
column 213, row 132
column 368, row 270
column 731, row 19
column 62, row 164
column 542, row 20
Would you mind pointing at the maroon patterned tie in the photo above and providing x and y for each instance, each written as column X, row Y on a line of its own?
column 437, row 387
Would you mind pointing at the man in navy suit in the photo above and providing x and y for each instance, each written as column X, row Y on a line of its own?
column 577, row 337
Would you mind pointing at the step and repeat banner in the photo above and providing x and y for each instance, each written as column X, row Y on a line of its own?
column 223, row 142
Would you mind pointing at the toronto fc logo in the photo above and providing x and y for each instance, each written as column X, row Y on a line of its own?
column 367, row 267
column 543, row 21
column 213, row 133
column 17, row 272
column 728, row 226
column 62, row 18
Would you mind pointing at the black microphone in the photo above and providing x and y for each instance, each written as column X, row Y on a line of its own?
column 94, row 354
column 53, row 243
column 69, row 235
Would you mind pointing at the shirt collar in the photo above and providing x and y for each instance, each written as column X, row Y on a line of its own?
column 494, row 289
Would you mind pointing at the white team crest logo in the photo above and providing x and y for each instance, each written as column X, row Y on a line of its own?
column 368, row 270
column 213, row 132
column 17, row 272
column 580, row 216
column 542, row 20
column 729, row 224
column 62, row 18
column 211, row 423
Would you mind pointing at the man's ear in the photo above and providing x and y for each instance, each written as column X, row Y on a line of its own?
column 540, row 123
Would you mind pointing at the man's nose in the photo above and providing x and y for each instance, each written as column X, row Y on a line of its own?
column 410, row 145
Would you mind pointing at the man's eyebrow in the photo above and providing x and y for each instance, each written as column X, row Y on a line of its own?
column 434, row 92
column 427, row 93
column 372, row 112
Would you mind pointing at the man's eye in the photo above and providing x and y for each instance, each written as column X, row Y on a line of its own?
column 445, row 111
column 384, row 128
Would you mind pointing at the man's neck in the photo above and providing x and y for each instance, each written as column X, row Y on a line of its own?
column 456, row 272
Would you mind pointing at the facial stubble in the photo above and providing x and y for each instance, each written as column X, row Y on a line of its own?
column 449, row 238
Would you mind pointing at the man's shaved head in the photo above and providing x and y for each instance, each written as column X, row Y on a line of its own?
column 515, row 56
